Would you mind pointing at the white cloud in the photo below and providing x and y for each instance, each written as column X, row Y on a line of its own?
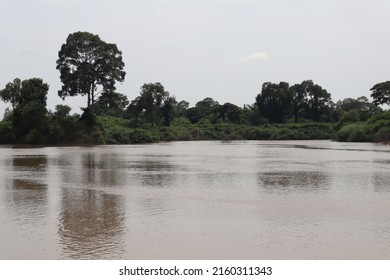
column 256, row 56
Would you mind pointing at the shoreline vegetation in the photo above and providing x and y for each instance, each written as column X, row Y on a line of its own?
column 90, row 67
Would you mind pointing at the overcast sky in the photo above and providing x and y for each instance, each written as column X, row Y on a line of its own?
column 224, row 49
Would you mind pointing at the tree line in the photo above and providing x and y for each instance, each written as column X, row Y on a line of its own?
column 90, row 67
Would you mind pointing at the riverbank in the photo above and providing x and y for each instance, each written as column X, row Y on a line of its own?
column 113, row 130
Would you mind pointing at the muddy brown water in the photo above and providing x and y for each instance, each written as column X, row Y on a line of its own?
column 196, row 200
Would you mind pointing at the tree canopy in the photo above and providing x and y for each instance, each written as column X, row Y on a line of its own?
column 28, row 99
column 11, row 93
column 274, row 102
column 154, row 104
column 89, row 66
column 381, row 93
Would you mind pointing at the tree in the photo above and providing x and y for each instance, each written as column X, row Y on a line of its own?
column 153, row 104
column 250, row 115
column 318, row 102
column 381, row 93
column 61, row 126
column 274, row 102
column 205, row 109
column 181, row 108
column 300, row 101
column 230, row 113
column 168, row 110
column 89, row 66
column 11, row 93
column 311, row 101
column 361, row 105
column 28, row 99
column 111, row 103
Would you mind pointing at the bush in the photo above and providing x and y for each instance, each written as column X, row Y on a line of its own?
column 356, row 132
column 258, row 134
column 140, row 136
column 382, row 135
column 6, row 134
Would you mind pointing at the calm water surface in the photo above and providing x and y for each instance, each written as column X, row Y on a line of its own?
column 196, row 200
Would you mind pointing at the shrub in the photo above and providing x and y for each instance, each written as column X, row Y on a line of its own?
column 140, row 136
column 6, row 134
column 356, row 132
column 382, row 135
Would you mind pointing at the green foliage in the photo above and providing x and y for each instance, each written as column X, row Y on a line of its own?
column 29, row 122
column 230, row 113
column 112, row 104
column 6, row 133
column 355, row 132
column 90, row 66
column 64, row 128
column 154, row 105
column 274, row 102
column 382, row 135
column 318, row 103
column 349, row 117
column 28, row 99
column 115, row 130
column 206, row 110
column 249, row 115
column 361, row 108
column 376, row 128
column 380, row 127
column 12, row 92
column 142, row 136
column 381, row 93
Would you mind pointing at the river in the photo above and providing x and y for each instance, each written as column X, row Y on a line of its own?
column 196, row 200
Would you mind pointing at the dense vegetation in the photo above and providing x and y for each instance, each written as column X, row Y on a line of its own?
column 90, row 67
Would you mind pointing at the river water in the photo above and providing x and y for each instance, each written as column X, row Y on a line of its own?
column 196, row 200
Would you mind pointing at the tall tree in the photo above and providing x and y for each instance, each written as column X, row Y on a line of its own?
column 274, row 102
column 318, row 102
column 381, row 93
column 168, row 110
column 89, row 66
column 310, row 101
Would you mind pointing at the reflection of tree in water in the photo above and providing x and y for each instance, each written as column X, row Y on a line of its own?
column 30, row 163
column 93, row 170
column 381, row 182
column 91, row 217
column 28, row 196
column 294, row 181
column 91, row 224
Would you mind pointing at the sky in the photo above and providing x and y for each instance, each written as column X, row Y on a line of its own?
column 223, row 49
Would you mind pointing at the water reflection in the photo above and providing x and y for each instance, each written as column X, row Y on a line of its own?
column 28, row 198
column 381, row 182
column 91, row 224
column 91, row 220
column 293, row 181
column 196, row 200
column 30, row 163
column 92, row 170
